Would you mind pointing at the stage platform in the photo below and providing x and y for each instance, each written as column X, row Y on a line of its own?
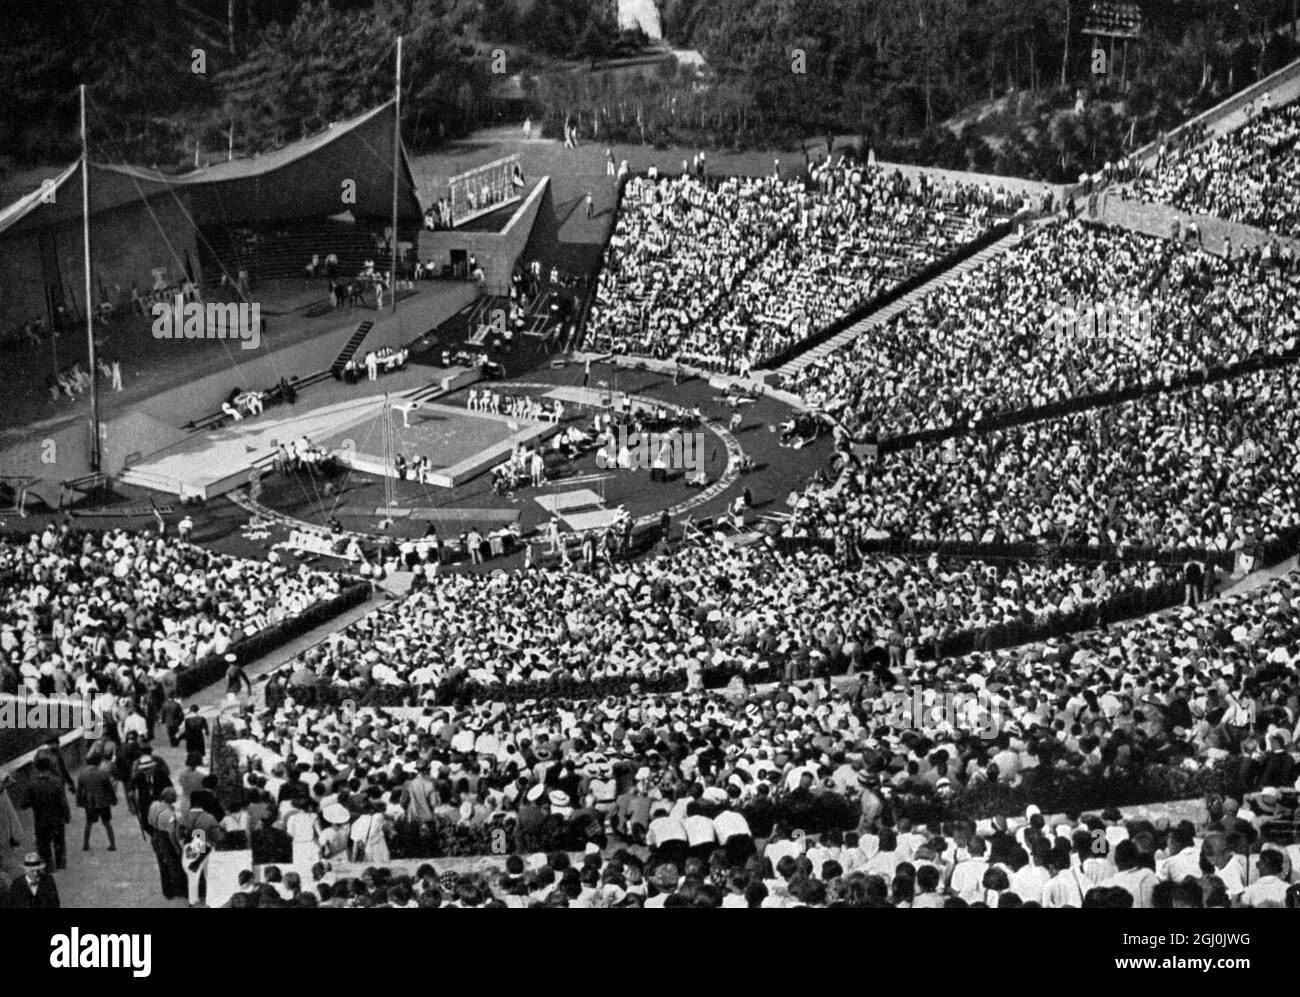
column 168, row 383
column 460, row 443
column 211, row 463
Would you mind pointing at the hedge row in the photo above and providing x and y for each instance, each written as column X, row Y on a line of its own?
column 461, row 691
column 1054, row 792
column 1043, row 552
column 445, row 838
column 1097, row 400
column 1063, row 790
column 213, row 668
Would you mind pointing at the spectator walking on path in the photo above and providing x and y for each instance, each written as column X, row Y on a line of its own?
column 195, row 733
column 97, row 796
column 48, row 802
column 197, row 833
column 147, row 786
column 161, row 821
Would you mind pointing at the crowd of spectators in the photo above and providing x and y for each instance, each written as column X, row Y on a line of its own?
column 744, row 611
column 685, row 787
column 1248, row 175
column 79, row 608
column 993, row 340
column 1027, row 864
column 727, row 273
column 1211, row 468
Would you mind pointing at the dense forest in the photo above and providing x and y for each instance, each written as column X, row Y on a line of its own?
column 1004, row 85
column 1009, row 86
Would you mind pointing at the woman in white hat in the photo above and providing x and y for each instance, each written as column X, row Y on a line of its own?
column 560, row 803
column 333, row 840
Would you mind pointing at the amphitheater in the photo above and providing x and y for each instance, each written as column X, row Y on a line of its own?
column 473, row 645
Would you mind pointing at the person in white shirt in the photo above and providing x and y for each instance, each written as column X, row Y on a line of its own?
column 1028, row 881
column 1065, row 888
column 826, row 850
column 733, row 834
column 736, row 895
column 701, row 837
column 667, row 836
column 1270, row 889
column 968, row 876
column 1139, row 882
column 885, row 861
column 135, row 723
column 667, row 880
column 908, row 840
column 1092, row 857
column 1185, row 859
column 782, row 844
column 1215, row 850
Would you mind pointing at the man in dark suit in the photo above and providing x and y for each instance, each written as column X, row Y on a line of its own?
column 148, row 784
column 48, row 802
column 194, row 733
column 1276, row 767
column 35, row 889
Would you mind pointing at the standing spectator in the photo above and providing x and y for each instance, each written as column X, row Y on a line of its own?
column 1193, row 579
column 172, row 715
column 237, row 684
column 190, row 779
column 161, row 821
column 146, row 787
column 195, row 733
column 96, row 795
column 48, row 802
column 197, row 832
column 474, row 541
column 50, row 751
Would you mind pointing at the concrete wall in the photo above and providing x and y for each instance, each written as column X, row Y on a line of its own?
column 1019, row 185
column 1158, row 220
column 496, row 252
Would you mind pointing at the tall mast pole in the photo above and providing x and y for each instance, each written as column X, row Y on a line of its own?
column 397, row 157
column 90, row 307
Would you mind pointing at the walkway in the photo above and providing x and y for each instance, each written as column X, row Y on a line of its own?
column 128, row 878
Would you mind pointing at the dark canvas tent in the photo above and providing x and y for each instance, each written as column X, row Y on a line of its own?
column 143, row 221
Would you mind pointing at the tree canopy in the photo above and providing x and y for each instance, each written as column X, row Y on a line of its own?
column 1004, row 85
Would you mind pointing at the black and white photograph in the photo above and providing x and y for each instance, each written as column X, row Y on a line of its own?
column 650, row 453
